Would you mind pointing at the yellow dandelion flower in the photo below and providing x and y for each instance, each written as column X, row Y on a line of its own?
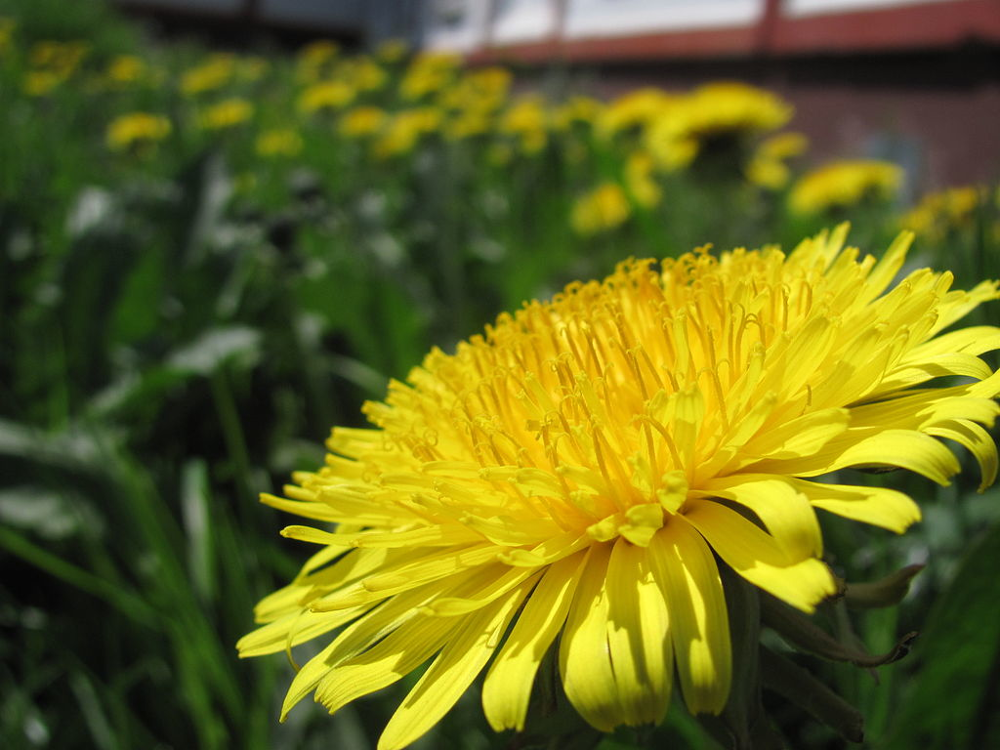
column 405, row 129
column 768, row 168
column 278, row 142
column 226, row 114
column 603, row 208
column 61, row 58
column 136, row 129
column 480, row 91
column 639, row 179
column 578, row 109
column 429, row 72
column 572, row 473
column 634, row 110
column 945, row 211
column 362, row 121
column 326, row 95
column 125, row 69
column 213, row 74
column 40, row 82
column 843, row 184
column 363, row 73
column 316, row 54
column 710, row 113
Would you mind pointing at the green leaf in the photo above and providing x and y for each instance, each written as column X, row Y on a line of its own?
column 952, row 700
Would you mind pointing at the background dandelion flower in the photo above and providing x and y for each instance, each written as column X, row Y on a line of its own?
column 569, row 474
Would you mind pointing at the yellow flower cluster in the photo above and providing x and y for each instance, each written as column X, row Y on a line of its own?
column 842, row 184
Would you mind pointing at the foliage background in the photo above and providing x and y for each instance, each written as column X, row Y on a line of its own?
column 180, row 328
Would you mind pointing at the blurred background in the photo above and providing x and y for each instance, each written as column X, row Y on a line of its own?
column 224, row 224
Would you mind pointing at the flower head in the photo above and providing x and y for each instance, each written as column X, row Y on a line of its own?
column 572, row 474
column 767, row 167
column 226, row 114
column 279, row 142
column 949, row 210
column 710, row 114
column 214, row 73
column 842, row 184
column 603, row 208
column 326, row 95
column 136, row 129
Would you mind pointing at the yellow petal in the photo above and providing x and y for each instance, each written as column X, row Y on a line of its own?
column 685, row 569
column 977, row 440
column 902, row 448
column 785, row 512
column 759, row 558
column 454, row 669
column 878, row 506
column 638, row 636
column 584, row 657
column 507, row 689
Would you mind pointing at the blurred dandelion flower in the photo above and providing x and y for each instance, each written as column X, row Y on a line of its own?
column 526, row 119
column 136, row 129
column 125, row 69
column 842, row 184
column 214, row 73
column 712, row 115
column 405, row 129
column 768, row 167
column 572, row 473
column 577, row 110
column 946, row 211
column 226, row 114
column 362, row 121
column 603, row 208
column 427, row 73
column 634, row 111
column 278, row 142
column 326, row 95
column 639, row 179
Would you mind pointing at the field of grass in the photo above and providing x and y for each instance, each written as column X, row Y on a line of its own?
column 207, row 259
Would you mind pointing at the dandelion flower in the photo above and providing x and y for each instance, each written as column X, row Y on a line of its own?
column 326, row 95
column 278, row 142
column 603, row 208
column 842, row 184
column 226, row 114
column 949, row 210
column 713, row 114
column 566, row 480
column 136, row 129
